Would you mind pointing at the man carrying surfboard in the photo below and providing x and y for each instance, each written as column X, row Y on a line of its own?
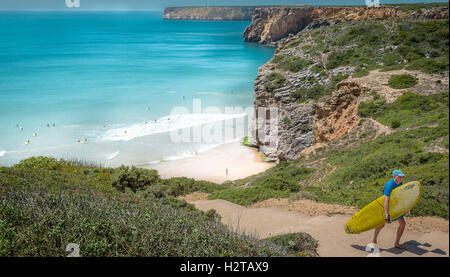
column 395, row 182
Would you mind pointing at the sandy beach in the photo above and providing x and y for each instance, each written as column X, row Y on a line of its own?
column 241, row 161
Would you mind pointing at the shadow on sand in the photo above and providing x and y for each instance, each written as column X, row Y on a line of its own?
column 411, row 246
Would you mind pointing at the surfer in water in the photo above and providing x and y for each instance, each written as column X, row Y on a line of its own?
column 395, row 182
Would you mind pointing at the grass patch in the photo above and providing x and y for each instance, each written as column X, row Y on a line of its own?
column 281, row 181
column 302, row 244
column 409, row 110
column 288, row 63
column 389, row 45
column 402, row 81
column 274, row 81
column 303, row 94
column 247, row 142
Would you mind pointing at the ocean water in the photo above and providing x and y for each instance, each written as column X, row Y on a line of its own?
column 114, row 87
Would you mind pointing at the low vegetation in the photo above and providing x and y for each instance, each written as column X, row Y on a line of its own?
column 300, row 243
column 280, row 181
column 419, row 45
column 402, row 81
column 289, row 63
column 315, row 92
column 274, row 81
column 46, row 204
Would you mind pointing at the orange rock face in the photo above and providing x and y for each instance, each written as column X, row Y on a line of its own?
column 272, row 24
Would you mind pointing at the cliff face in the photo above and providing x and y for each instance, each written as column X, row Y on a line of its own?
column 314, row 83
column 209, row 13
column 269, row 25
column 272, row 24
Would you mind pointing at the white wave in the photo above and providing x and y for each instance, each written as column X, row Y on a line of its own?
column 2, row 153
column 165, row 124
column 112, row 155
column 181, row 156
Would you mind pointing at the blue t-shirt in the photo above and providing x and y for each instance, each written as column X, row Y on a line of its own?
column 390, row 186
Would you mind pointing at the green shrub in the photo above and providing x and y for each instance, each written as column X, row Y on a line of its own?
column 305, row 128
column 392, row 58
column 287, row 121
column 133, row 178
column 430, row 65
column 410, row 109
column 40, row 162
column 247, row 142
column 280, row 181
column 293, row 43
column 288, row 63
column 274, row 81
column 339, row 58
column 402, row 81
column 395, row 123
column 302, row 244
column 335, row 79
column 317, row 68
column 314, row 92
column 38, row 222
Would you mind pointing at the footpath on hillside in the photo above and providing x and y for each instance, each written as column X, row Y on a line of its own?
column 264, row 222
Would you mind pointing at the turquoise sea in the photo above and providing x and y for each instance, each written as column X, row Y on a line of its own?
column 90, row 85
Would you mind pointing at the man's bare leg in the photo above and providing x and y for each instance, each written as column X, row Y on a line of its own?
column 377, row 231
column 401, row 228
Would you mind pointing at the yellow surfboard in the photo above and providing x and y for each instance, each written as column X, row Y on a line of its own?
column 371, row 216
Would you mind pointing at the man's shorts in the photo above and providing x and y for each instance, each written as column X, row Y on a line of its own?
column 398, row 218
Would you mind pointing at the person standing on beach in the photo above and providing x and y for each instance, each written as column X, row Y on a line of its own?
column 395, row 182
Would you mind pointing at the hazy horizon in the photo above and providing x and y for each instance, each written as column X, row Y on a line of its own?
column 136, row 5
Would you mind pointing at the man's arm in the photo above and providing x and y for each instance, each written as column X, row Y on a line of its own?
column 387, row 217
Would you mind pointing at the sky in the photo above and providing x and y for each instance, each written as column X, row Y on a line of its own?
column 161, row 4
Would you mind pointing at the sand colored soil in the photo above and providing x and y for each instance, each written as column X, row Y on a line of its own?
column 195, row 196
column 307, row 207
column 427, row 84
column 424, row 236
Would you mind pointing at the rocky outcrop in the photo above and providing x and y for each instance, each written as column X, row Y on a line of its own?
column 335, row 115
column 303, row 101
column 209, row 13
column 271, row 24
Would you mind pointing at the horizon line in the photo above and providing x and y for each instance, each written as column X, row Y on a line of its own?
column 77, row 10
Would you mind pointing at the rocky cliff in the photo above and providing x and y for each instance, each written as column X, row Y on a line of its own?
column 271, row 24
column 209, row 13
column 313, row 85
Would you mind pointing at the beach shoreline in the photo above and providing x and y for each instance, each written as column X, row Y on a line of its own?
column 227, row 162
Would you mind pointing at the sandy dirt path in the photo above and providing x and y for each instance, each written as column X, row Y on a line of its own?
column 328, row 230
